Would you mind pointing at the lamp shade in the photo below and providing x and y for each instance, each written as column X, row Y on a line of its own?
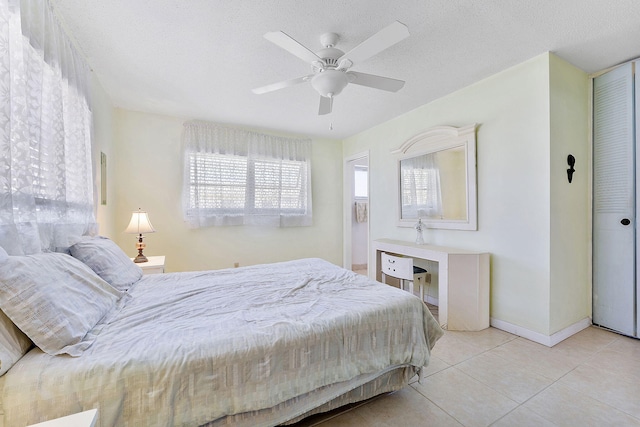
column 139, row 223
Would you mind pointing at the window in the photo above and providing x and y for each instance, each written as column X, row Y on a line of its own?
column 279, row 186
column 235, row 177
column 217, row 181
column 46, row 184
column 360, row 182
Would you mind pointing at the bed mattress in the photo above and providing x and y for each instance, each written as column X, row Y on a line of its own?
column 191, row 348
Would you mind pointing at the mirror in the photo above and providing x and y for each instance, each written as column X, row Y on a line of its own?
column 434, row 186
column 437, row 179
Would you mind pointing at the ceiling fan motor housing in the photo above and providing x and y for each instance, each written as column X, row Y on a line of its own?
column 329, row 39
column 330, row 56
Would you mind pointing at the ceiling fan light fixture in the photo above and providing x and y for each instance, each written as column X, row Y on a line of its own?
column 329, row 83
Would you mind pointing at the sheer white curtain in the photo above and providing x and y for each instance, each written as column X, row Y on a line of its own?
column 422, row 196
column 236, row 177
column 46, row 183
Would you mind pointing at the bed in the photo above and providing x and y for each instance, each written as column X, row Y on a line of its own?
column 254, row 346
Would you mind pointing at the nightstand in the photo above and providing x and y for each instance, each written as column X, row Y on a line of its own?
column 82, row 419
column 155, row 265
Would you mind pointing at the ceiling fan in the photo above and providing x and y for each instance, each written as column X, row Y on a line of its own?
column 331, row 66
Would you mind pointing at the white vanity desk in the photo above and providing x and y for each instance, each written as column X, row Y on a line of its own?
column 463, row 284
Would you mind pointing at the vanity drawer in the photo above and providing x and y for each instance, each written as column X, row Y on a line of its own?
column 396, row 266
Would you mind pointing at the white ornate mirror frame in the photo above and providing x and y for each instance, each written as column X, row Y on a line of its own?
column 434, row 140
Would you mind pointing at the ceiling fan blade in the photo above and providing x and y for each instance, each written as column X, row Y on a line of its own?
column 326, row 105
column 280, row 85
column 287, row 42
column 376, row 82
column 378, row 42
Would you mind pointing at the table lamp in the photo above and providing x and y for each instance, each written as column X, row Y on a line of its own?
column 140, row 224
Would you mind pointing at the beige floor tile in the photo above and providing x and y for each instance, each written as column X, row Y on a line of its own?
column 486, row 339
column 452, row 349
column 629, row 346
column 512, row 379
column 435, row 365
column 363, row 272
column 465, row 398
column 613, row 388
column 545, row 361
column 405, row 407
column 621, row 362
column 522, row 417
column 586, row 342
column 568, row 407
column 592, row 337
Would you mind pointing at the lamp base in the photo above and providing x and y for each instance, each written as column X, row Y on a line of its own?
column 140, row 258
column 140, row 247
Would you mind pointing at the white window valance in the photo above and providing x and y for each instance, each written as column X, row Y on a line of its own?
column 46, row 180
column 237, row 177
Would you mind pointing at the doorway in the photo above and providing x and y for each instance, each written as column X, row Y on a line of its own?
column 356, row 213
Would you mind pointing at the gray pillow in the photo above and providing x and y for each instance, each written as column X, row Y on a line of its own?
column 55, row 300
column 108, row 261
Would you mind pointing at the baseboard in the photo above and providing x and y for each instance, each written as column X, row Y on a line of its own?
column 431, row 300
column 548, row 340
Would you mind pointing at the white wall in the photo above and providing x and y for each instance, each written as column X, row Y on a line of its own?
column 102, row 112
column 149, row 176
column 570, row 203
column 512, row 109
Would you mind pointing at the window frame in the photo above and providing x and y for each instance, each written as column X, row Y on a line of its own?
column 276, row 187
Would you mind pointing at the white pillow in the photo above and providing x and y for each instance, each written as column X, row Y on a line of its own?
column 108, row 261
column 55, row 300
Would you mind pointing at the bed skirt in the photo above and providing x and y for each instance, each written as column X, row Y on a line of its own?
column 322, row 400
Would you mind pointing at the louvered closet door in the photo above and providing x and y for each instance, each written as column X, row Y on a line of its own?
column 637, row 193
column 614, row 201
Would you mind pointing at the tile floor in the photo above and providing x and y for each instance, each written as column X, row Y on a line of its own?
column 492, row 378
column 362, row 271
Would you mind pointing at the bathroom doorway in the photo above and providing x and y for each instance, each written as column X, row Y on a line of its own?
column 357, row 212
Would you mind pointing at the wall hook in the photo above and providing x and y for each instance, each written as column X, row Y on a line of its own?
column 571, row 161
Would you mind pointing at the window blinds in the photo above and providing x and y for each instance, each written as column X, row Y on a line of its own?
column 237, row 177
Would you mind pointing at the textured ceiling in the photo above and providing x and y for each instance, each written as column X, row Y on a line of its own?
column 200, row 58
